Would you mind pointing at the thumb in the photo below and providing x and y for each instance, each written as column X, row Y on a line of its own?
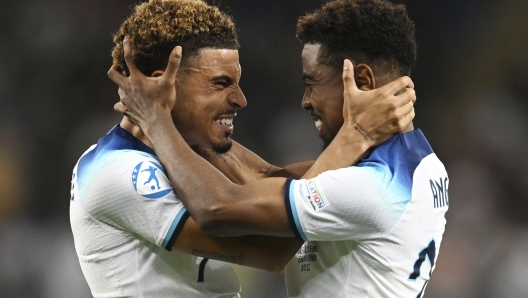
column 348, row 78
column 174, row 62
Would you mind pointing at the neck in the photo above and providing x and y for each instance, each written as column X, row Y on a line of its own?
column 135, row 130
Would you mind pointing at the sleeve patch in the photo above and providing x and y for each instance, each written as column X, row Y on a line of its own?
column 315, row 195
column 150, row 181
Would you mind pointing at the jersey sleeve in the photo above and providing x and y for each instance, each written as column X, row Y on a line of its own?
column 129, row 191
column 355, row 203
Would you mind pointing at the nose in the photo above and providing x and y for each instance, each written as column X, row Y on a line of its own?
column 306, row 103
column 236, row 99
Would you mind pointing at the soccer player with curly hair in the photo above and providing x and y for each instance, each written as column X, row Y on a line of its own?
column 124, row 215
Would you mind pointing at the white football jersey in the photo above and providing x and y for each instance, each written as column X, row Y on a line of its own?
column 371, row 230
column 125, row 218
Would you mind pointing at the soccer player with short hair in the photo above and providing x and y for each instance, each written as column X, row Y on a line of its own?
column 124, row 214
column 371, row 230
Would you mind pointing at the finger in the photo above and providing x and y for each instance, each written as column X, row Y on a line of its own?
column 409, row 95
column 412, row 94
column 117, row 77
column 129, row 58
column 406, row 120
column 174, row 62
column 397, row 85
column 121, row 93
column 405, row 109
column 348, row 77
column 120, row 108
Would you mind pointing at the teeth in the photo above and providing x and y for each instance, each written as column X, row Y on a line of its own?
column 318, row 123
column 225, row 121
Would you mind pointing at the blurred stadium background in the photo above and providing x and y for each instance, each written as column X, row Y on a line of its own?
column 471, row 79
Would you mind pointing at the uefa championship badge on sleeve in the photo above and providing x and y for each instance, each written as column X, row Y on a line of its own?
column 149, row 180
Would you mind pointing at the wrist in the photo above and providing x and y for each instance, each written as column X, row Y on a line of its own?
column 156, row 123
column 354, row 132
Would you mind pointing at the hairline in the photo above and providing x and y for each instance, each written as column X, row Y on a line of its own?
column 326, row 57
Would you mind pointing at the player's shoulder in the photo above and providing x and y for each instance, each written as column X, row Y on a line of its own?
column 403, row 152
column 116, row 149
column 114, row 165
column 121, row 176
column 419, row 154
column 113, row 162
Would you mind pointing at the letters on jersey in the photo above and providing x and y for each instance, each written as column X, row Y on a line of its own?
column 315, row 196
column 150, row 181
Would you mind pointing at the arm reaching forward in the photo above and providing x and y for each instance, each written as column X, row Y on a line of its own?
column 226, row 209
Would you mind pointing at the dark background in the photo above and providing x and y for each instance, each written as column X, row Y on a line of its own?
column 471, row 79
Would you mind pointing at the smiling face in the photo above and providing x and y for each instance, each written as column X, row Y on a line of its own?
column 324, row 93
column 208, row 96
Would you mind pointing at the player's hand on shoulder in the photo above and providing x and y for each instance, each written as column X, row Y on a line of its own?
column 380, row 113
column 143, row 98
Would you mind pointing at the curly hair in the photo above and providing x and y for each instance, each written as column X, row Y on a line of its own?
column 158, row 26
column 375, row 32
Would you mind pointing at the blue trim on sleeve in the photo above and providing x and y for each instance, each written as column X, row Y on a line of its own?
column 291, row 210
column 175, row 229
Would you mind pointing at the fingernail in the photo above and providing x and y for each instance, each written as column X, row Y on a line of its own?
column 347, row 64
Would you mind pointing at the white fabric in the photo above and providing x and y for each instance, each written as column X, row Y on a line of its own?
column 123, row 215
column 365, row 226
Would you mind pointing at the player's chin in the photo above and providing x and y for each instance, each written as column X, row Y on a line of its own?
column 224, row 145
column 327, row 141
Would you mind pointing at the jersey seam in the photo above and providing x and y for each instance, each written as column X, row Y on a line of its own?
column 348, row 275
column 136, row 273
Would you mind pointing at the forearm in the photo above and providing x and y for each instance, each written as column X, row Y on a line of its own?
column 295, row 171
column 347, row 149
column 254, row 167
column 185, row 168
column 262, row 252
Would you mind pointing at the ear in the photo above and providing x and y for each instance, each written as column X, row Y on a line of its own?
column 364, row 77
column 157, row 73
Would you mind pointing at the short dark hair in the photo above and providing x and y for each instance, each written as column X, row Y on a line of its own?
column 375, row 32
column 158, row 26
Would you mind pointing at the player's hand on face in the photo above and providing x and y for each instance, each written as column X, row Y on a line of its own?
column 380, row 113
column 144, row 98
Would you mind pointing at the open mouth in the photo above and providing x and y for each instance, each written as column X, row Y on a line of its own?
column 318, row 124
column 225, row 121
